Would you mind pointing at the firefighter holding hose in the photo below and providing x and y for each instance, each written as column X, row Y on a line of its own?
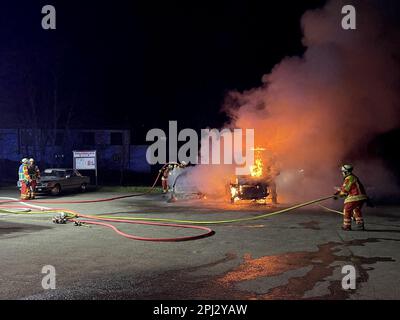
column 24, row 179
column 355, row 196
column 166, row 171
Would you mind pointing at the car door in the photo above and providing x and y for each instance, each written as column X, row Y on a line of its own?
column 81, row 179
column 68, row 180
column 75, row 180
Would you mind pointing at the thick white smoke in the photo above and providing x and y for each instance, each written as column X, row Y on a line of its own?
column 312, row 111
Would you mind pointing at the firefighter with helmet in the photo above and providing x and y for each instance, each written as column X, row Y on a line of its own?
column 166, row 171
column 34, row 174
column 355, row 196
column 24, row 179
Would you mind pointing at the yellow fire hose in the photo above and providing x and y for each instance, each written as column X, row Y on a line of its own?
column 73, row 214
column 331, row 210
column 304, row 204
column 176, row 223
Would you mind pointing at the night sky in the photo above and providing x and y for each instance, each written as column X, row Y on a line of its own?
column 138, row 64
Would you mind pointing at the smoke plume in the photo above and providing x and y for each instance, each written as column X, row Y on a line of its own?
column 312, row 112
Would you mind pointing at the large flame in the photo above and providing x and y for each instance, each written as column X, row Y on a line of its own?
column 257, row 169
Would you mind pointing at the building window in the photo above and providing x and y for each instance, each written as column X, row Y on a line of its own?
column 88, row 138
column 116, row 139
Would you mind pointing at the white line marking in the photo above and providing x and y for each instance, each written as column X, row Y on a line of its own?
column 26, row 204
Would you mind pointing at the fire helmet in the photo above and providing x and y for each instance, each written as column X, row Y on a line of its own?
column 31, row 160
column 347, row 169
column 24, row 160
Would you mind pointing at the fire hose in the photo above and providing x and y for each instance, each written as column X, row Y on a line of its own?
column 331, row 210
column 72, row 216
column 262, row 216
column 175, row 223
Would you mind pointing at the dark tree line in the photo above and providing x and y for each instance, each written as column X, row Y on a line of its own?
column 41, row 97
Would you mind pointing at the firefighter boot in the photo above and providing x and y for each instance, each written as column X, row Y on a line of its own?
column 347, row 221
column 359, row 219
column 360, row 226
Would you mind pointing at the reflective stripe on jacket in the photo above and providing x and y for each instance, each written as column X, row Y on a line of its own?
column 23, row 174
column 352, row 189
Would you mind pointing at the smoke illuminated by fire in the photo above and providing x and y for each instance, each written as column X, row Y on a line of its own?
column 312, row 112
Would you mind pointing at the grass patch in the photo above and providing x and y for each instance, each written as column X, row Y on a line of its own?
column 129, row 189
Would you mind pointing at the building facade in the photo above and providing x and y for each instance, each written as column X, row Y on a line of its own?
column 54, row 149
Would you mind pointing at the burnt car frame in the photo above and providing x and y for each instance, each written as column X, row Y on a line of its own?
column 54, row 181
column 249, row 188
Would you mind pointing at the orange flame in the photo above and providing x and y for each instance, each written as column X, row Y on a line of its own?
column 257, row 169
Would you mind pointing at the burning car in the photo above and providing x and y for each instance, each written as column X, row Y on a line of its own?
column 257, row 186
column 248, row 188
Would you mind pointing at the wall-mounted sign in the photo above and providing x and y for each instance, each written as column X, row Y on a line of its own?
column 85, row 160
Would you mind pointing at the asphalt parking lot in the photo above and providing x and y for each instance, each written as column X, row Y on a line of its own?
column 296, row 255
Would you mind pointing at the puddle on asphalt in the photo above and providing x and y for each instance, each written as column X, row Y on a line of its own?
column 322, row 264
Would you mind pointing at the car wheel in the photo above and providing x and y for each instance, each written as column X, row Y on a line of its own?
column 56, row 190
column 83, row 187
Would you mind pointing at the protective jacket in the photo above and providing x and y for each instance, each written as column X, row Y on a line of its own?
column 23, row 173
column 34, row 172
column 352, row 189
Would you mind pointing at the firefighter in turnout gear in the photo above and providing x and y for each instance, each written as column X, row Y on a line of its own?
column 24, row 179
column 34, row 174
column 271, row 173
column 355, row 196
column 166, row 171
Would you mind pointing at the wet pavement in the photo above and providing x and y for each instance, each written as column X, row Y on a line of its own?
column 296, row 255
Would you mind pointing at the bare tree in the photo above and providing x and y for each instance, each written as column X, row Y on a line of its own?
column 44, row 111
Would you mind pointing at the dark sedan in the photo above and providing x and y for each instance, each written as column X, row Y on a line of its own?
column 55, row 181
